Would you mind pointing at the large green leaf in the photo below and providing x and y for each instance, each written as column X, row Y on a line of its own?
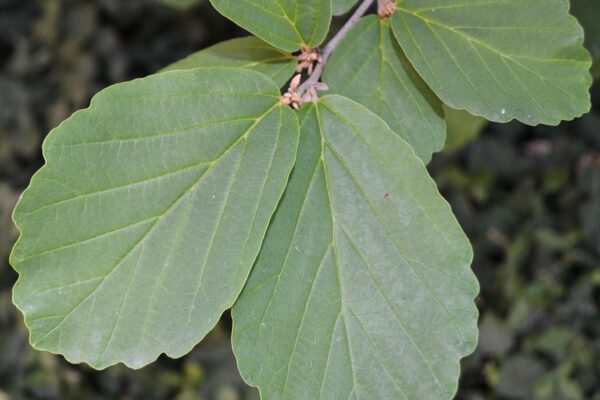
column 505, row 59
column 340, row 7
column 286, row 24
column 371, row 68
column 249, row 52
column 362, row 288
column 143, row 225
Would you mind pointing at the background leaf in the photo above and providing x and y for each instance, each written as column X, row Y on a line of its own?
column 370, row 67
column 462, row 128
column 363, row 288
column 143, row 225
column 248, row 52
column 508, row 59
column 286, row 24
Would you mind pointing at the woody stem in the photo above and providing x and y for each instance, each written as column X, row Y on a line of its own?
column 332, row 45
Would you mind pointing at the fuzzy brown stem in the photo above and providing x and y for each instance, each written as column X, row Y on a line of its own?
column 332, row 45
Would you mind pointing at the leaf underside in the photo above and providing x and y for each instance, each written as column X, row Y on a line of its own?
column 286, row 24
column 248, row 52
column 143, row 225
column 370, row 67
column 503, row 60
column 362, row 288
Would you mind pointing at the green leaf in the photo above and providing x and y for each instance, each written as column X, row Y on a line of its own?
column 340, row 7
column 286, row 24
column 502, row 60
column 248, row 52
column 362, row 288
column 143, row 225
column 371, row 68
column 462, row 128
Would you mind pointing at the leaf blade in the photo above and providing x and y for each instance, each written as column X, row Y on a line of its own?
column 521, row 60
column 286, row 24
column 99, row 281
column 340, row 7
column 386, row 83
column 248, row 52
column 334, row 277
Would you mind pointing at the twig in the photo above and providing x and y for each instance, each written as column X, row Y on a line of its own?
column 314, row 78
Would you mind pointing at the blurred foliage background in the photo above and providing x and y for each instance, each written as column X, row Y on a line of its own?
column 528, row 197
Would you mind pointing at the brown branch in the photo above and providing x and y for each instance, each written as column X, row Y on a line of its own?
column 312, row 83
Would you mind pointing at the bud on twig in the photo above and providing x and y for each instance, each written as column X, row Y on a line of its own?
column 307, row 59
column 385, row 8
column 291, row 97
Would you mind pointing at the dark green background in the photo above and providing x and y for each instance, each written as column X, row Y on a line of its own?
column 529, row 199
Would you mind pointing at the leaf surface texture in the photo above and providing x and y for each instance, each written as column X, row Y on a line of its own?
column 370, row 67
column 362, row 289
column 248, row 52
column 286, row 24
column 143, row 225
column 503, row 60
column 340, row 7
